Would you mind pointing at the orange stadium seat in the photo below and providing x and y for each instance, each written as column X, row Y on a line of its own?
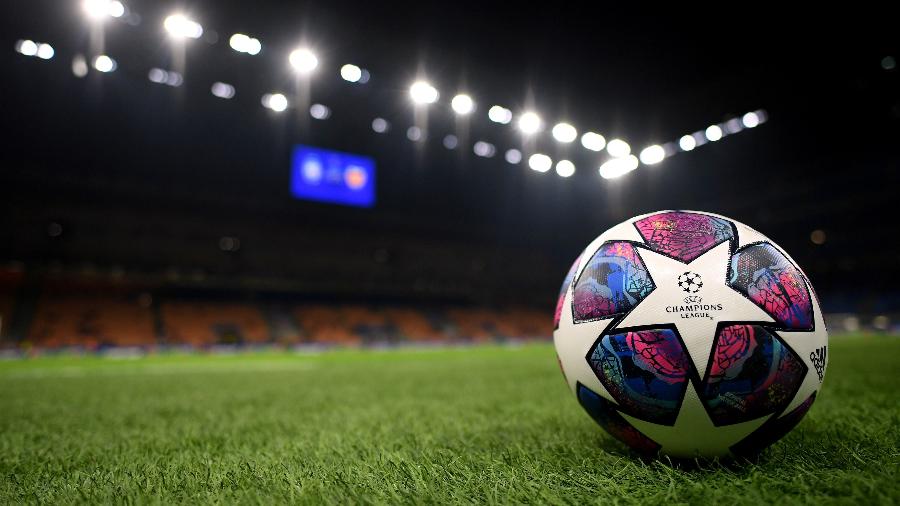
column 413, row 325
column 207, row 323
column 474, row 324
column 326, row 325
column 91, row 321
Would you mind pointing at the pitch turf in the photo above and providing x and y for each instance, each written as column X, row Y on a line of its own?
column 484, row 425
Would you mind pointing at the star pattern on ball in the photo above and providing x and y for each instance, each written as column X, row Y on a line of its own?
column 697, row 328
column 680, row 440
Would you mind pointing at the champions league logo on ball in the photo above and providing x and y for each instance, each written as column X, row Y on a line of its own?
column 692, row 282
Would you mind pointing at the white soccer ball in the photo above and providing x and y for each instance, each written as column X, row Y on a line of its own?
column 690, row 334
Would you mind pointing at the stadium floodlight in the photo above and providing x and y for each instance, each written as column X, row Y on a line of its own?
column 26, row 47
column 320, row 111
column 414, row 133
column 95, row 9
column 540, row 162
column 450, row 141
column 529, row 123
column 254, row 47
column 104, row 63
column 618, row 148
column 462, row 104
column 181, row 27
column 174, row 78
column 564, row 132
column 157, row 75
column 750, row 120
column 116, row 9
column 351, row 73
column 380, row 125
column 713, row 133
column 168, row 77
column 484, row 149
column 499, row 114
column 79, row 66
column 565, row 168
column 41, row 50
column 651, row 155
column 245, row 44
column 45, row 51
column 99, row 9
column 303, row 60
column 513, row 156
column 423, row 93
column 687, row 142
column 593, row 141
column 617, row 167
column 222, row 90
column 733, row 126
column 275, row 102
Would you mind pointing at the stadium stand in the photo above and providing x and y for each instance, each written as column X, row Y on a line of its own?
column 95, row 312
column 207, row 323
column 10, row 280
column 7, row 305
column 92, row 311
column 91, row 322
column 414, row 325
column 325, row 325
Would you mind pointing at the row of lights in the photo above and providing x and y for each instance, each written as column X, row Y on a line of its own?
column 622, row 160
column 304, row 62
column 44, row 51
column 40, row 50
column 529, row 123
column 620, row 163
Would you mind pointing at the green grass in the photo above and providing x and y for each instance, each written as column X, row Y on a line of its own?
column 482, row 425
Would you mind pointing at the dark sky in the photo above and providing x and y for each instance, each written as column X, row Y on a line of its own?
column 119, row 144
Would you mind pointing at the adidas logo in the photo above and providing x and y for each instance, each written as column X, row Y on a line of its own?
column 818, row 359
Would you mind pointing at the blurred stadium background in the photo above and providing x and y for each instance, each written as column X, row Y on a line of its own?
column 154, row 195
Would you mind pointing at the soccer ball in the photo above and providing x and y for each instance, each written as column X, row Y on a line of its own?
column 691, row 335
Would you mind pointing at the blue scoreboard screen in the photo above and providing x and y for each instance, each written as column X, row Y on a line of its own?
column 333, row 177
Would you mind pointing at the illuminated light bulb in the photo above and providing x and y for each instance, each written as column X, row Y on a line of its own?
column 564, row 132
column 540, row 162
column 351, row 73
column 499, row 114
column 529, row 123
column 593, row 141
column 462, row 104
column 104, row 63
column 618, row 148
column 687, row 142
column 565, row 168
column 513, row 156
column 713, row 133
column 617, row 167
column 179, row 26
column 423, row 93
column 651, row 155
